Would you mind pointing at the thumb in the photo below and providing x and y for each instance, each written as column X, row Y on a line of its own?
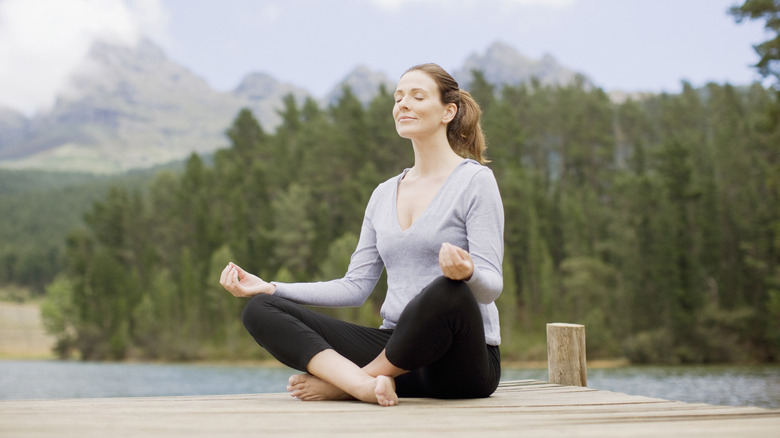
column 241, row 272
column 462, row 252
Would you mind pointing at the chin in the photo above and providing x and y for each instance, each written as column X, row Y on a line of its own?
column 407, row 132
column 403, row 133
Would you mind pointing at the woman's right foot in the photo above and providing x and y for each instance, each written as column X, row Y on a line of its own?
column 308, row 387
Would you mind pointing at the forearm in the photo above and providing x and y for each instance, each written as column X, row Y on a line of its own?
column 343, row 292
column 486, row 285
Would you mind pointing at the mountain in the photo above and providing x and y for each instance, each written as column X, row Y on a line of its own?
column 262, row 94
column 13, row 129
column 364, row 84
column 503, row 64
column 132, row 107
column 124, row 108
column 129, row 108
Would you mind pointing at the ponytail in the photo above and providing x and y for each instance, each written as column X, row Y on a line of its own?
column 464, row 132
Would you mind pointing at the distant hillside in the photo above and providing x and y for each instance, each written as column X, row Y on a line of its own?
column 129, row 108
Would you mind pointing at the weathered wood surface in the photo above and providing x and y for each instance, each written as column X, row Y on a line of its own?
column 519, row 408
column 566, row 361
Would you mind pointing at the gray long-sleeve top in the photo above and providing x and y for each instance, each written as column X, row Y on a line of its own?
column 466, row 212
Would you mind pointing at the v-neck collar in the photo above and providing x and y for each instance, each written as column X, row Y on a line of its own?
column 433, row 200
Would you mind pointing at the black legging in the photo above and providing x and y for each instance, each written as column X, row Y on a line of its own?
column 439, row 338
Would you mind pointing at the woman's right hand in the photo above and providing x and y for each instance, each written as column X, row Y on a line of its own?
column 243, row 284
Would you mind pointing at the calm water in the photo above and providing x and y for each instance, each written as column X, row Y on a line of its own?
column 721, row 385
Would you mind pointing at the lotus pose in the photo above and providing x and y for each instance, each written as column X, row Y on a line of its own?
column 437, row 228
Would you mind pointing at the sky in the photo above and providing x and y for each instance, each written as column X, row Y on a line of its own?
column 628, row 45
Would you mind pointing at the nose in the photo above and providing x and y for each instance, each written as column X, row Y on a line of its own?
column 402, row 103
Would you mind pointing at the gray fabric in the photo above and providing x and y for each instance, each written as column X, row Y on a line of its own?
column 466, row 212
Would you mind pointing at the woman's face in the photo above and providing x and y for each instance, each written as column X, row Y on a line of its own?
column 418, row 111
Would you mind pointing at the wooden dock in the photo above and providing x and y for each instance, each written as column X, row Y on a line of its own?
column 519, row 408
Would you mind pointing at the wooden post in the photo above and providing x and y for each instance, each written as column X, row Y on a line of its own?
column 566, row 354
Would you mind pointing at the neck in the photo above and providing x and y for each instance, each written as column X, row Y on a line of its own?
column 434, row 157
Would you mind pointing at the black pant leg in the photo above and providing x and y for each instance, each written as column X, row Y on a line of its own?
column 293, row 334
column 441, row 340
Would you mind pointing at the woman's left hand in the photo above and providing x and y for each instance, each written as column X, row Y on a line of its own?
column 456, row 263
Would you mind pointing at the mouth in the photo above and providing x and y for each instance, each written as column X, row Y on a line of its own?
column 405, row 119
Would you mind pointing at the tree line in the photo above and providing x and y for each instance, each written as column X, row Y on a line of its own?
column 655, row 222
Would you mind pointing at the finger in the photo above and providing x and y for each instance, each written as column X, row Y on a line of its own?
column 446, row 250
column 458, row 255
column 224, row 275
column 445, row 258
column 452, row 254
column 456, row 251
column 465, row 257
column 460, row 251
column 240, row 271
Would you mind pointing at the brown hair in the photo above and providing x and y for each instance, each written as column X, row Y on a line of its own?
column 464, row 132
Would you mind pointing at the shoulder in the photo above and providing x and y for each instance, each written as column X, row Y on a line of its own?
column 389, row 185
column 480, row 188
column 385, row 189
column 477, row 175
column 392, row 181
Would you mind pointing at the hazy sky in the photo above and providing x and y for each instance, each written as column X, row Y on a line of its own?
column 631, row 45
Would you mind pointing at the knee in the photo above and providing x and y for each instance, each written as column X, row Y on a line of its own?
column 447, row 293
column 256, row 310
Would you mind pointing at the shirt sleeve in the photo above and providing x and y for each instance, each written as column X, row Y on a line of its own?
column 365, row 268
column 485, row 234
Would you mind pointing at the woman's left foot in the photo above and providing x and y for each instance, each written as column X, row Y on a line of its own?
column 385, row 391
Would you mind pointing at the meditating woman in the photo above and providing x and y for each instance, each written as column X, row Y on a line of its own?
column 437, row 228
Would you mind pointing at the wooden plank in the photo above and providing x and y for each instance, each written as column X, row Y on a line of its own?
column 525, row 407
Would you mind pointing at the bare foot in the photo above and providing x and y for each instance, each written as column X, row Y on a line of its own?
column 307, row 387
column 385, row 391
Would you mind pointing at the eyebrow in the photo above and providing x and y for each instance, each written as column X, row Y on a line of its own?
column 413, row 90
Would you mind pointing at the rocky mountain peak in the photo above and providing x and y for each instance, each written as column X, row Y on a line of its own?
column 258, row 87
column 364, row 84
column 503, row 64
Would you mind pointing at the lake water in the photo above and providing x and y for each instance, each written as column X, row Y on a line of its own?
column 719, row 385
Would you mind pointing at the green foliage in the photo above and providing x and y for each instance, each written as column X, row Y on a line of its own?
column 58, row 314
column 769, row 50
column 38, row 210
column 652, row 222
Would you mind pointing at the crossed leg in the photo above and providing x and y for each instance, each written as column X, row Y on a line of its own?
column 334, row 377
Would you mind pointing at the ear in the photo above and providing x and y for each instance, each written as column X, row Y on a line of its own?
column 450, row 110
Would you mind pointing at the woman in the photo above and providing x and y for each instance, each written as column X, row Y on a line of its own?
column 437, row 228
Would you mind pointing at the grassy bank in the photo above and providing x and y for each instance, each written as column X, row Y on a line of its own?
column 22, row 335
